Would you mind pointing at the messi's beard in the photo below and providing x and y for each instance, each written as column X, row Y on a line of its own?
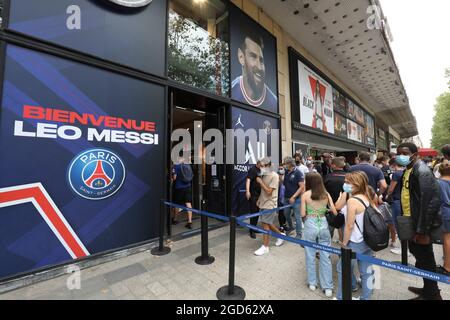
column 255, row 90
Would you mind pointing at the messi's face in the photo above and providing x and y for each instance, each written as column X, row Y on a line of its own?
column 254, row 68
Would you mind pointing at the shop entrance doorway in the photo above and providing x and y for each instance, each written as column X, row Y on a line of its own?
column 196, row 114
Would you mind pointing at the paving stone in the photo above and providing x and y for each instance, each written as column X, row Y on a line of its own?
column 124, row 273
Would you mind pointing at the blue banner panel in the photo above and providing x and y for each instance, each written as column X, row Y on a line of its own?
column 245, row 120
column 134, row 37
column 81, row 167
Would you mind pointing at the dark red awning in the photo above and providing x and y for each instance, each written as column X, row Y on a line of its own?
column 428, row 152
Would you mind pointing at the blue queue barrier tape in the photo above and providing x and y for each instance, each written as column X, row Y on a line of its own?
column 262, row 213
column 293, row 240
column 401, row 268
column 382, row 263
column 200, row 212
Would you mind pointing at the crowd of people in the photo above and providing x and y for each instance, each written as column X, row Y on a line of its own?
column 412, row 196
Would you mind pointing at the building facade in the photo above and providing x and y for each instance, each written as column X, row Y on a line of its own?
column 93, row 90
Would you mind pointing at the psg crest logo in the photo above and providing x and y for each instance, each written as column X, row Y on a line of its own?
column 96, row 174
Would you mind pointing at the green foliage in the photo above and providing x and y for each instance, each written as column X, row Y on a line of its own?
column 195, row 58
column 441, row 126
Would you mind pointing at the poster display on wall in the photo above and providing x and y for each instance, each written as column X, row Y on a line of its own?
column 340, row 125
column 85, row 161
column 264, row 125
column 96, row 27
column 316, row 100
column 351, row 112
column 359, row 115
column 354, row 131
column 339, row 102
column 253, row 62
column 369, row 130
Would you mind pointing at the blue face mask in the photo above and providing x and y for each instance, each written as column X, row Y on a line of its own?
column 347, row 188
column 403, row 160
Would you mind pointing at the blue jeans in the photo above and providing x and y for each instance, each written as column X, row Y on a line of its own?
column 298, row 219
column 316, row 230
column 396, row 211
column 365, row 270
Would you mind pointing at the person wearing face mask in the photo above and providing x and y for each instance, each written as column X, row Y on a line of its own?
column 268, row 199
column 295, row 186
column 357, row 185
column 310, row 165
column 253, row 190
column 420, row 202
column 299, row 164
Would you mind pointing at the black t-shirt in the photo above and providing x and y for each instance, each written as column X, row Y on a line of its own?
column 387, row 174
column 334, row 183
column 255, row 188
column 326, row 170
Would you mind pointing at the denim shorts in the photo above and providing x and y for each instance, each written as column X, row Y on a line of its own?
column 446, row 226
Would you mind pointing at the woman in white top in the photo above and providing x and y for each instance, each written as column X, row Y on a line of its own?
column 357, row 185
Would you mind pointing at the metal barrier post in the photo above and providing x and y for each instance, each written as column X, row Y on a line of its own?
column 346, row 261
column 231, row 291
column 205, row 258
column 161, row 250
column 404, row 252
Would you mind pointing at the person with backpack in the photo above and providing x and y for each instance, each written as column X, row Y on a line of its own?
column 182, row 177
column 360, row 208
column 421, row 204
column 315, row 203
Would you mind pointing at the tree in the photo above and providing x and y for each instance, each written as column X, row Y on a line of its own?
column 441, row 126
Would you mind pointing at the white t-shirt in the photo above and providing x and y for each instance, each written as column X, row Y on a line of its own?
column 303, row 169
column 356, row 236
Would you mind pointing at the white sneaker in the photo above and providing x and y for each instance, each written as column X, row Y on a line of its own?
column 280, row 241
column 396, row 251
column 356, row 298
column 262, row 251
column 328, row 293
column 312, row 288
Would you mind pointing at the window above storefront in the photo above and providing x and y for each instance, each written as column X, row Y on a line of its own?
column 198, row 45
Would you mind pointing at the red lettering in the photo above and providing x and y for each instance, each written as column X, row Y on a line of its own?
column 110, row 122
column 82, row 119
column 96, row 122
column 31, row 112
column 60, row 115
column 150, row 127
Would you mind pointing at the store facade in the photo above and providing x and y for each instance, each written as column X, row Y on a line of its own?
column 92, row 91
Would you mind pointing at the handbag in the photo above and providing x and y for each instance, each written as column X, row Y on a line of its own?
column 335, row 221
column 406, row 229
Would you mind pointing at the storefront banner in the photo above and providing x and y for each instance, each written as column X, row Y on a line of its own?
column 316, row 100
column 354, row 131
column 245, row 120
column 82, row 161
column 253, row 62
column 135, row 37
column 340, row 125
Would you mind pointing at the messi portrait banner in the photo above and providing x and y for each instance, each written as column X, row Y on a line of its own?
column 316, row 100
column 253, row 63
column 81, row 161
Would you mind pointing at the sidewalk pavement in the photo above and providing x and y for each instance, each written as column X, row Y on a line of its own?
column 280, row 275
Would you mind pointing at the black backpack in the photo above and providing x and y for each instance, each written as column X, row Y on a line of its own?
column 375, row 233
column 186, row 174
